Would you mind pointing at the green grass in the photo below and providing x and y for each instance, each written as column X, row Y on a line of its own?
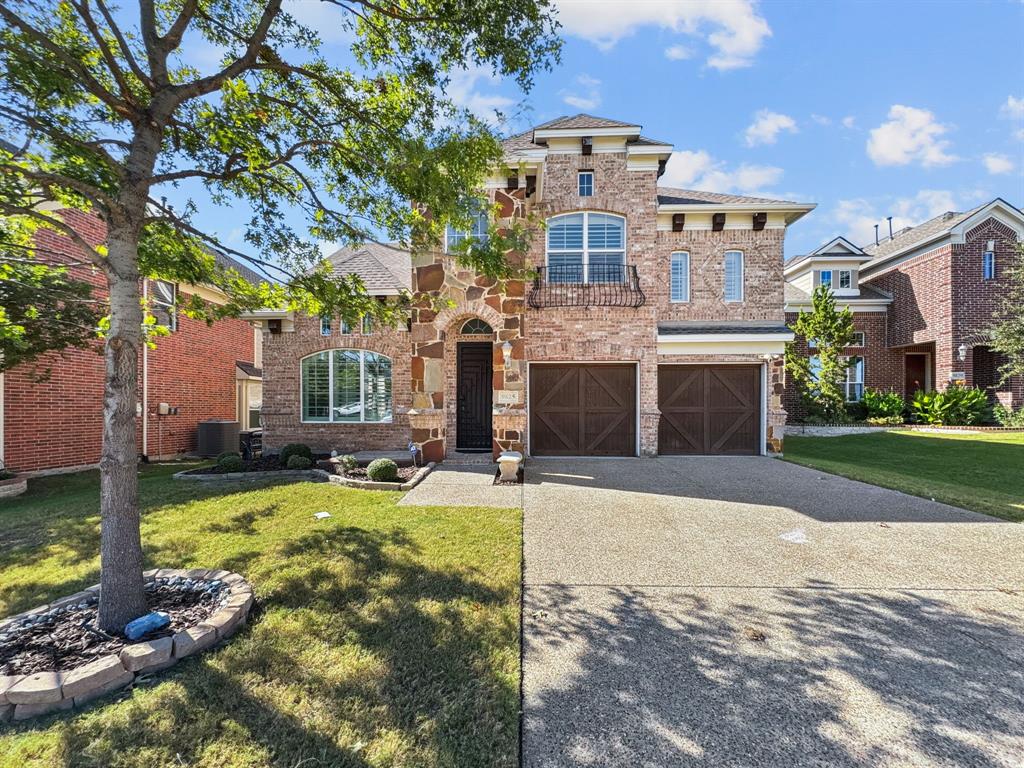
column 982, row 471
column 386, row 635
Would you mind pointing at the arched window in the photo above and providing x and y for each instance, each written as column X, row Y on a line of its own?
column 476, row 325
column 346, row 385
column 586, row 247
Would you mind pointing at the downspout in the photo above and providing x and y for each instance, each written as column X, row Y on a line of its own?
column 145, row 380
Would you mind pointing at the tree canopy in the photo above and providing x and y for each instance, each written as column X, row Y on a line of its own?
column 1008, row 331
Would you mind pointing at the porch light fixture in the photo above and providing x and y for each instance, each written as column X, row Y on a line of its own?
column 506, row 353
column 962, row 352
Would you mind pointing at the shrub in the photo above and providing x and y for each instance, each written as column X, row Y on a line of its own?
column 231, row 462
column 856, row 411
column 295, row 449
column 1007, row 417
column 6, row 474
column 226, row 454
column 298, row 462
column 348, row 462
column 885, row 421
column 957, row 406
column 382, row 471
column 884, row 405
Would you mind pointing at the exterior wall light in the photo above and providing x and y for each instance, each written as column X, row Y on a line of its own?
column 962, row 352
column 506, row 353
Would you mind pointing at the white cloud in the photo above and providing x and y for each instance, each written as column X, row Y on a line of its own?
column 856, row 218
column 465, row 89
column 767, row 126
column 1013, row 108
column 821, row 119
column 678, row 53
column 1019, row 134
column 996, row 163
column 733, row 28
column 698, row 170
column 587, row 97
column 849, row 121
column 911, row 135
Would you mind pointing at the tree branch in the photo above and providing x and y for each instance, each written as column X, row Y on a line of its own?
column 91, row 253
column 126, row 50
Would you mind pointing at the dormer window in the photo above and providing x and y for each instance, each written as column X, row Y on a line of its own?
column 825, row 277
column 585, row 183
column 845, row 278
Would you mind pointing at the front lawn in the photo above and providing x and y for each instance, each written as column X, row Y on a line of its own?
column 982, row 471
column 387, row 636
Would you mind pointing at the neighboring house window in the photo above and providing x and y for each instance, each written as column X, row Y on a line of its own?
column 845, row 278
column 586, row 247
column 163, row 298
column 325, row 325
column 988, row 263
column 345, row 327
column 734, row 276
column 346, row 385
column 586, row 183
column 859, row 339
column 367, row 325
column 477, row 231
column 679, row 277
column 825, row 277
column 855, row 380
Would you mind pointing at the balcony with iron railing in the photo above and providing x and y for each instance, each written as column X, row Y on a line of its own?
column 594, row 285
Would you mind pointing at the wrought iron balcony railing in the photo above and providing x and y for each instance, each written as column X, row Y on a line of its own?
column 597, row 285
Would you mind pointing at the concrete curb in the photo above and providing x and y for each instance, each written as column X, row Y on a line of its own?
column 316, row 475
column 26, row 696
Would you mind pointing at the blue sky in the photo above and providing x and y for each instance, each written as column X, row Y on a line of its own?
column 868, row 109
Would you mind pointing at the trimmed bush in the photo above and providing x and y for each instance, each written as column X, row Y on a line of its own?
column 884, row 405
column 231, row 463
column 885, row 421
column 348, row 462
column 1007, row 417
column 956, row 406
column 298, row 462
column 382, row 471
column 295, row 449
column 226, row 454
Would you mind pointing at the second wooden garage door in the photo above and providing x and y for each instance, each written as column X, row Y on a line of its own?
column 708, row 409
column 582, row 410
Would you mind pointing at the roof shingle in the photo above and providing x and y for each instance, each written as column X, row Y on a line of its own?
column 381, row 267
column 911, row 235
column 676, row 196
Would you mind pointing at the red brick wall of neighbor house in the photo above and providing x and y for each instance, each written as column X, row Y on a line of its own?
column 282, row 416
column 58, row 423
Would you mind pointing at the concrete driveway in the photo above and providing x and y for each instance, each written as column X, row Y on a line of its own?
column 749, row 612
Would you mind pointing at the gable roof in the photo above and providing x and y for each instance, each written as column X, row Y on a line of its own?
column 676, row 196
column 526, row 141
column 581, row 121
column 908, row 235
column 383, row 268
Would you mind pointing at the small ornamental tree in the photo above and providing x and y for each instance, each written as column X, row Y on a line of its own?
column 111, row 110
column 1008, row 331
column 830, row 330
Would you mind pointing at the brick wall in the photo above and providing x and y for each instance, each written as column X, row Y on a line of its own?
column 57, row 423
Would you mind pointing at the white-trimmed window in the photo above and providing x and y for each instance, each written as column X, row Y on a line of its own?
column 825, row 277
column 162, row 301
column 859, row 339
column 845, row 278
column 325, row 325
column 345, row 327
column 734, row 275
column 853, row 386
column 477, row 231
column 586, row 248
column 585, row 183
column 367, row 325
column 679, row 277
column 346, row 385
column 988, row 265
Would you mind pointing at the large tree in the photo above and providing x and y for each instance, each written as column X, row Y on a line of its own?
column 109, row 110
column 820, row 378
column 1008, row 331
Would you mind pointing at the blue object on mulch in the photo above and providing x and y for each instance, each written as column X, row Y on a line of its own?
column 141, row 626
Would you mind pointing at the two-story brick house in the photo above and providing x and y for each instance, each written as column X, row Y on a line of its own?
column 654, row 324
column 922, row 302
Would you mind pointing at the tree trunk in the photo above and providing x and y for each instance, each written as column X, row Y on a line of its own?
column 122, row 596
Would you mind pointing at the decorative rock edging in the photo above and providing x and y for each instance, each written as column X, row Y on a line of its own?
column 26, row 696
column 838, row 430
column 316, row 475
column 13, row 486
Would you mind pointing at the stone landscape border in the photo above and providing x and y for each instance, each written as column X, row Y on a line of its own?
column 26, row 696
column 13, row 486
column 316, row 475
column 838, row 430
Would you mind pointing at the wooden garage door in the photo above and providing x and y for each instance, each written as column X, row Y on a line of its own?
column 707, row 409
column 583, row 410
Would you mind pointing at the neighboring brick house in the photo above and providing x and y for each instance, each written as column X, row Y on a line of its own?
column 923, row 300
column 655, row 322
column 203, row 371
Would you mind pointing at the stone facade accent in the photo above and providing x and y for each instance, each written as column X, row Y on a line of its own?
column 26, row 696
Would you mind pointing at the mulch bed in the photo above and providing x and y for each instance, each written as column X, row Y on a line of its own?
column 67, row 638
column 405, row 474
column 259, row 464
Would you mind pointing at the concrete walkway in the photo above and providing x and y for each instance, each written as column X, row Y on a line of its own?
column 749, row 612
column 465, row 485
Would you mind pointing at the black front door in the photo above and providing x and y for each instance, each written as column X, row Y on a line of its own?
column 473, row 392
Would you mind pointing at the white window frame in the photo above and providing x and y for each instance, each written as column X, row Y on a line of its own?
column 861, row 367
column 330, row 387
column 172, row 308
column 848, row 274
column 725, row 276
column 325, row 325
column 586, row 250
column 345, row 328
column 471, row 233
column 671, row 277
column 821, row 277
column 988, row 265
column 863, row 339
column 580, row 185
column 366, row 325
